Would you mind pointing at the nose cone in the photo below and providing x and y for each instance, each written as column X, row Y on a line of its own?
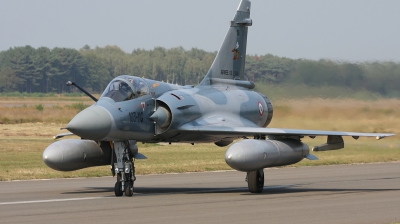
column 92, row 123
column 53, row 157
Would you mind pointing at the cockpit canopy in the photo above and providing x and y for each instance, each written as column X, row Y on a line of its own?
column 126, row 88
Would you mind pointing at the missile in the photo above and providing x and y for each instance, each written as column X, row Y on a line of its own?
column 253, row 154
column 74, row 154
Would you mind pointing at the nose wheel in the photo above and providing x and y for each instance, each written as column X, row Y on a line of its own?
column 129, row 188
column 118, row 189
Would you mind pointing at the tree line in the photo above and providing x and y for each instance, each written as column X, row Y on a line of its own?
column 26, row 69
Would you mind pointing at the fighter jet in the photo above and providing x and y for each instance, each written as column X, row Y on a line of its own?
column 220, row 109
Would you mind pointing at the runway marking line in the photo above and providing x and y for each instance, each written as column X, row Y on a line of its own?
column 50, row 200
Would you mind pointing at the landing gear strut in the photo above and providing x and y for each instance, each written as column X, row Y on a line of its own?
column 124, row 168
column 255, row 181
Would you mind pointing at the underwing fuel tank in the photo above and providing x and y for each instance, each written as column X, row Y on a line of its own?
column 253, row 154
column 74, row 154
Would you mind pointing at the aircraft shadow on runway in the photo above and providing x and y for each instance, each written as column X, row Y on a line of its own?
column 268, row 190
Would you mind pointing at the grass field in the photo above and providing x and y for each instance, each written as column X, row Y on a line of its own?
column 26, row 131
column 54, row 109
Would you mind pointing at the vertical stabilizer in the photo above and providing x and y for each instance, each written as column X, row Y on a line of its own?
column 230, row 60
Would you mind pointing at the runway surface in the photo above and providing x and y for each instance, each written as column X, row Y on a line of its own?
column 366, row 193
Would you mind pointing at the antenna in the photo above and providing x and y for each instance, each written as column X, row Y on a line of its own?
column 70, row 83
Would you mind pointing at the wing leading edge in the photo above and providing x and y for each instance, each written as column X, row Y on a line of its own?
column 248, row 131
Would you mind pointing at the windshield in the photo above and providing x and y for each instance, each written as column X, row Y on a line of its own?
column 118, row 90
column 140, row 86
column 129, row 88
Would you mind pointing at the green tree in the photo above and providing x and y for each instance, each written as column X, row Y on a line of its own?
column 8, row 80
column 67, row 64
column 22, row 63
column 42, row 66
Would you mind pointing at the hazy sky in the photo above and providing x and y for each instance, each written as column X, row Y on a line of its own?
column 355, row 30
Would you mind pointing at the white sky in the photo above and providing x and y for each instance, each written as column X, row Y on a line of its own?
column 354, row 30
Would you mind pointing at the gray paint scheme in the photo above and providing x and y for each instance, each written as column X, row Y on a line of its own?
column 220, row 109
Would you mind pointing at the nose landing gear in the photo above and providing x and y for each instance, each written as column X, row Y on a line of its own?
column 124, row 168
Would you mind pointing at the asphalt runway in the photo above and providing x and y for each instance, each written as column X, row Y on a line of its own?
column 365, row 193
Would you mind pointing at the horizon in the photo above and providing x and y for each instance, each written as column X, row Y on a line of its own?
column 311, row 29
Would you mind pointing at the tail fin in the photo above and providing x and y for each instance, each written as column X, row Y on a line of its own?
column 230, row 60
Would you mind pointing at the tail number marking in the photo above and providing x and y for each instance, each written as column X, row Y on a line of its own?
column 229, row 72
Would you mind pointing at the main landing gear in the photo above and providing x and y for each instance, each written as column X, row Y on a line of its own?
column 124, row 168
column 255, row 181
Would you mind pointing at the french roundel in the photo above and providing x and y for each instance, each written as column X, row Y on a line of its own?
column 260, row 108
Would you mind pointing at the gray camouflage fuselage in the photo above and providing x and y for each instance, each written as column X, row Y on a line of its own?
column 199, row 106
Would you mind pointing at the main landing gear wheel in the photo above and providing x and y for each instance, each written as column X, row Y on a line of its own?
column 255, row 181
column 129, row 188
